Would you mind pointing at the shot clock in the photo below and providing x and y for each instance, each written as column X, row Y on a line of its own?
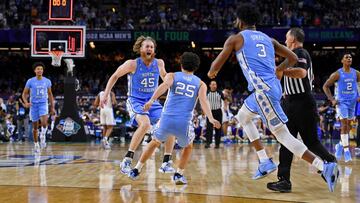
column 60, row 9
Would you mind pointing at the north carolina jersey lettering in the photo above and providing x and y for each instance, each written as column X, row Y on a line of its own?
column 38, row 89
column 257, row 60
column 182, row 95
column 144, row 81
column 347, row 85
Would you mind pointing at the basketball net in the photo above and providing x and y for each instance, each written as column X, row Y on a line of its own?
column 56, row 56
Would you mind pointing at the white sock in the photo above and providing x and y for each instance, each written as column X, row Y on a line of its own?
column 318, row 163
column 105, row 138
column 346, row 149
column 139, row 166
column 345, row 139
column 43, row 132
column 36, row 144
column 262, row 155
column 180, row 171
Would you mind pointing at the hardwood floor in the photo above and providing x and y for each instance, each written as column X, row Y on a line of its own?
column 67, row 172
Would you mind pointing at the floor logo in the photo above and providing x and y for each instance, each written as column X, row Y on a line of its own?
column 32, row 160
column 68, row 126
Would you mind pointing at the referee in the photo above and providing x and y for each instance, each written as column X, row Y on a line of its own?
column 215, row 98
column 300, row 107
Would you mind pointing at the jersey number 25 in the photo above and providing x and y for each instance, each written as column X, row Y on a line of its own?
column 183, row 89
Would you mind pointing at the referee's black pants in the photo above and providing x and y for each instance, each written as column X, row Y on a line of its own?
column 302, row 114
column 209, row 128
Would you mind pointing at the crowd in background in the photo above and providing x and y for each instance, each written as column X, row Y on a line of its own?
column 189, row 15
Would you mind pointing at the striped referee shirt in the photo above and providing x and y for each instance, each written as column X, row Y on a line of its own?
column 215, row 98
column 293, row 86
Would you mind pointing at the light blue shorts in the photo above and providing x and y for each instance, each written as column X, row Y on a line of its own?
column 37, row 110
column 135, row 106
column 345, row 109
column 267, row 105
column 179, row 127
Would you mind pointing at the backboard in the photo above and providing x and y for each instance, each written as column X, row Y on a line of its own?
column 46, row 38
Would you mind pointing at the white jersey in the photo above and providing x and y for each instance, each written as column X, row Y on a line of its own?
column 106, row 113
column 109, row 101
column 202, row 121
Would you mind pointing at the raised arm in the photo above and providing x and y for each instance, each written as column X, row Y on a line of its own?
column 168, row 81
column 206, row 106
column 128, row 67
column 330, row 82
column 234, row 41
column 162, row 70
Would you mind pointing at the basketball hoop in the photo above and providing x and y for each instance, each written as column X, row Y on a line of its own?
column 56, row 56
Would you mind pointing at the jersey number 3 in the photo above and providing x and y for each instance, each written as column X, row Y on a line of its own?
column 262, row 52
column 183, row 89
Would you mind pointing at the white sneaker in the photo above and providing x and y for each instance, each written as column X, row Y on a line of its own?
column 106, row 144
column 42, row 142
column 36, row 148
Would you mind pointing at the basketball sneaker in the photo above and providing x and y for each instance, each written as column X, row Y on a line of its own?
column 347, row 156
column 166, row 167
column 134, row 174
column 282, row 185
column 264, row 169
column 43, row 142
column 36, row 148
column 330, row 174
column 179, row 179
column 125, row 166
column 338, row 151
column 106, row 143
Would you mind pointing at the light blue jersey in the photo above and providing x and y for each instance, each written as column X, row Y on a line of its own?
column 182, row 95
column 347, row 85
column 177, row 113
column 141, row 87
column 38, row 97
column 142, row 83
column 38, row 89
column 346, row 94
column 257, row 61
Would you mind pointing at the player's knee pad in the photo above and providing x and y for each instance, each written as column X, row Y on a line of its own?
column 244, row 116
column 283, row 135
column 245, row 119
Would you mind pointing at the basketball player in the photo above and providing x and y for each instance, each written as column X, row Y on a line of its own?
column 347, row 96
column 184, row 90
column 107, row 119
column 300, row 107
column 226, row 110
column 143, row 77
column 39, row 89
column 255, row 52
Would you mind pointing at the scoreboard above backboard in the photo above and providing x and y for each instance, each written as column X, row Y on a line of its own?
column 60, row 9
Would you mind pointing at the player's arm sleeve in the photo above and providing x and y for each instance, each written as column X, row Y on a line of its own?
column 49, row 84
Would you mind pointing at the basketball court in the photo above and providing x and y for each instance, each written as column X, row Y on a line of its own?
column 87, row 173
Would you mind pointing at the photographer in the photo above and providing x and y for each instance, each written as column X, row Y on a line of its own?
column 22, row 118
